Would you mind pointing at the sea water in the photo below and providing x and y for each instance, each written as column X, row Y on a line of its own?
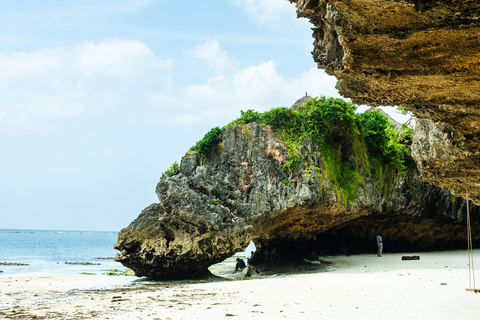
column 46, row 251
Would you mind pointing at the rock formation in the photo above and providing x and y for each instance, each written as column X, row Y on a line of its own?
column 423, row 55
column 216, row 205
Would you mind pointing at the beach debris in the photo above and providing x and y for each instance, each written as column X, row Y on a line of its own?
column 118, row 299
column 13, row 264
column 83, row 263
column 473, row 290
column 410, row 257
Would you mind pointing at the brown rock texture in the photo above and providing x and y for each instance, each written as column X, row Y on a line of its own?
column 423, row 55
column 214, row 206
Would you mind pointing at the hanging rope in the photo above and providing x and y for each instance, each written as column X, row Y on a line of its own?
column 471, row 268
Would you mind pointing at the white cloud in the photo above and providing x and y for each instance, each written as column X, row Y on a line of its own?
column 211, row 53
column 162, row 99
column 183, row 120
column 127, row 5
column 3, row 115
column 203, row 92
column 255, row 81
column 220, row 98
column 62, row 82
column 271, row 12
column 20, row 65
column 117, row 58
column 113, row 58
column 126, row 77
column 86, row 8
column 111, row 152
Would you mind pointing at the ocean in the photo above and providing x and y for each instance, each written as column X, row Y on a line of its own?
column 46, row 251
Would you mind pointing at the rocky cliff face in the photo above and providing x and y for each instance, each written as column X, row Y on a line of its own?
column 423, row 55
column 216, row 205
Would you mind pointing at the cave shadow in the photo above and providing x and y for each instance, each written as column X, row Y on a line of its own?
column 401, row 234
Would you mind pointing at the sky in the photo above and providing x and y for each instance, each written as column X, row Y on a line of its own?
column 99, row 98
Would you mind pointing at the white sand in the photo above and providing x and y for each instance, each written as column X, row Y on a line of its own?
column 355, row 287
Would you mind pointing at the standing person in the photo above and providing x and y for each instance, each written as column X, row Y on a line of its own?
column 380, row 246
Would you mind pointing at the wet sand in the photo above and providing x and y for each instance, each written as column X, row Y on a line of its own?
column 354, row 287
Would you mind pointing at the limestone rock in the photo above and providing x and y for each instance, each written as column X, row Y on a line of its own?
column 440, row 154
column 421, row 55
column 250, row 271
column 214, row 207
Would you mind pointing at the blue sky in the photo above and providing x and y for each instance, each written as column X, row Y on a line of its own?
column 98, row 98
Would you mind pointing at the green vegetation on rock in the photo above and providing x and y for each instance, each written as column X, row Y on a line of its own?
column 328, row 123
column 174, row 169
column 246, row 117
column 334, row 127
column 205, row 145
column 384, row 140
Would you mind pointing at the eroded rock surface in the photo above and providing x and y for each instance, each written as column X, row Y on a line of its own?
column 214, row 206
column 423, row 55
column 437, row 149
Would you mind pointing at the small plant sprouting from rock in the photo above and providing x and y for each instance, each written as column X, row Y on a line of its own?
column 214, row 136
column 205, row 145
column 174, row 169
column 291, row 164
column 215, row 201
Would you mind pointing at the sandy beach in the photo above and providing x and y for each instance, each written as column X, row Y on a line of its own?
column 353, row 287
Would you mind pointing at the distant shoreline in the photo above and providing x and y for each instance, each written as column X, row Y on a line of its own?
column 52, row 231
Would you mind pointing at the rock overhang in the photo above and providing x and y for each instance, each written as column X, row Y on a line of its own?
column 423, row 55
column 214, row 207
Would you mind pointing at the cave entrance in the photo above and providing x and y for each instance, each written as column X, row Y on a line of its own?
column 248, row 252
column 226, row 268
